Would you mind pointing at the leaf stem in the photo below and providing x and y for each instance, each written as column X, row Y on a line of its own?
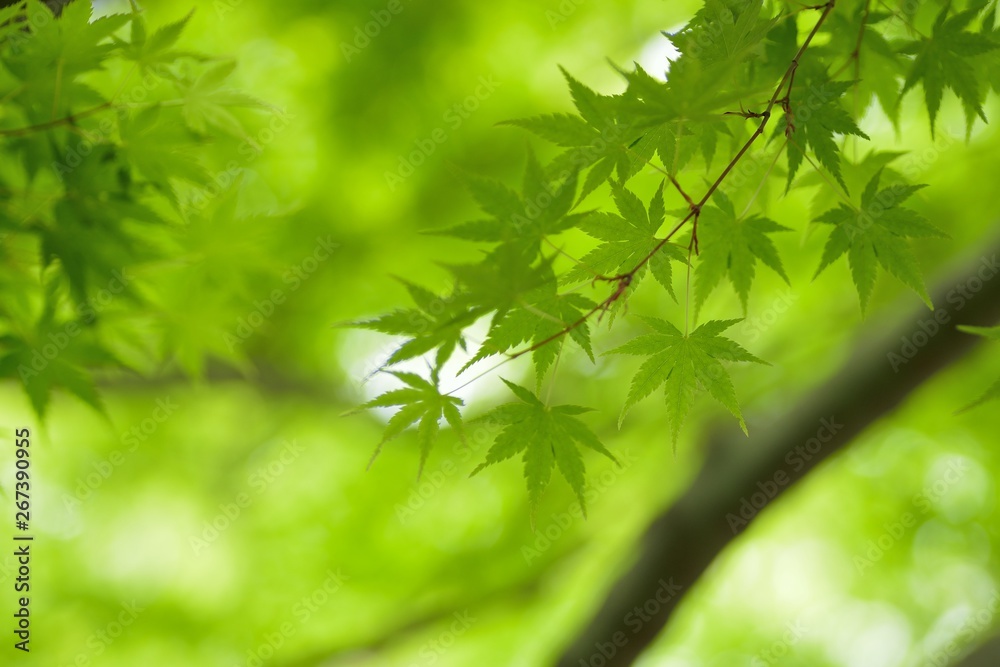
column 624, row 280
column 822, row 174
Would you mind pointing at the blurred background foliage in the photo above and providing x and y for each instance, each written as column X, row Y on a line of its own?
column 314, row 561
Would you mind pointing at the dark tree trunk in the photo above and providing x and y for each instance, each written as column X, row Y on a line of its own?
column 682, row 542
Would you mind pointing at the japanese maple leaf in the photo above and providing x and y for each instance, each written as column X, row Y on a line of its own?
column 547, row 437
column 683, row 363
column 598, row 137
column 875, row 233
column 943, row 61
column 817, row 114
column 539, row 317
column 521, row 220
column 731, row 246
column 628, row 238
column 420, row 401
column 436, row 323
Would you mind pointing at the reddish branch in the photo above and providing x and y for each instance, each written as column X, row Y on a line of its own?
column 41, row 127
column 624, row 280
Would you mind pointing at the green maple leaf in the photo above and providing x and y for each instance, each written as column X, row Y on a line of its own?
column 674, row 123
column 596, row 138
column 11, row 20
column 877, row 67
column 542, row 209
column 875, row 233
column 942, row 61
column 420, row 401
column 39, row 375
column 817, row 115
column 626, row 239
column 436, row 323
column 731, row 246
column 681, row 363
column 993, row 393
column 506, row 277
column 156, row 49
column 548, row 437
column 721, row 31
column 159, row 150
column 208, row 102
column 71, row 46
column 543, row 314
column 73, row 43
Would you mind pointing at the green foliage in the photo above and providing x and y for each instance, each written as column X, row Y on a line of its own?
column 874, row 233
column 993, row 393
column 942, row 61
column 626, row 239
column 548, row 436
column 816, row 130
column 420, row 401
column 544, row 314
column 599, row 137
column 731, row 246
column 801, row 77
column 682, row 363
column 729, row 31
column 112, row 132
column 108, row 141
column 435, row 323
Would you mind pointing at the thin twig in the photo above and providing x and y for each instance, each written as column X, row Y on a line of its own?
column 767, row 175
column 624, row 280
column 65, row 120
column 855, row 55
column 681, row 190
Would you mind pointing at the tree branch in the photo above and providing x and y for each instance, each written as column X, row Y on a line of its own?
column 681, row 543
column 986, row 655
column 625, row 279
column 47, row 125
